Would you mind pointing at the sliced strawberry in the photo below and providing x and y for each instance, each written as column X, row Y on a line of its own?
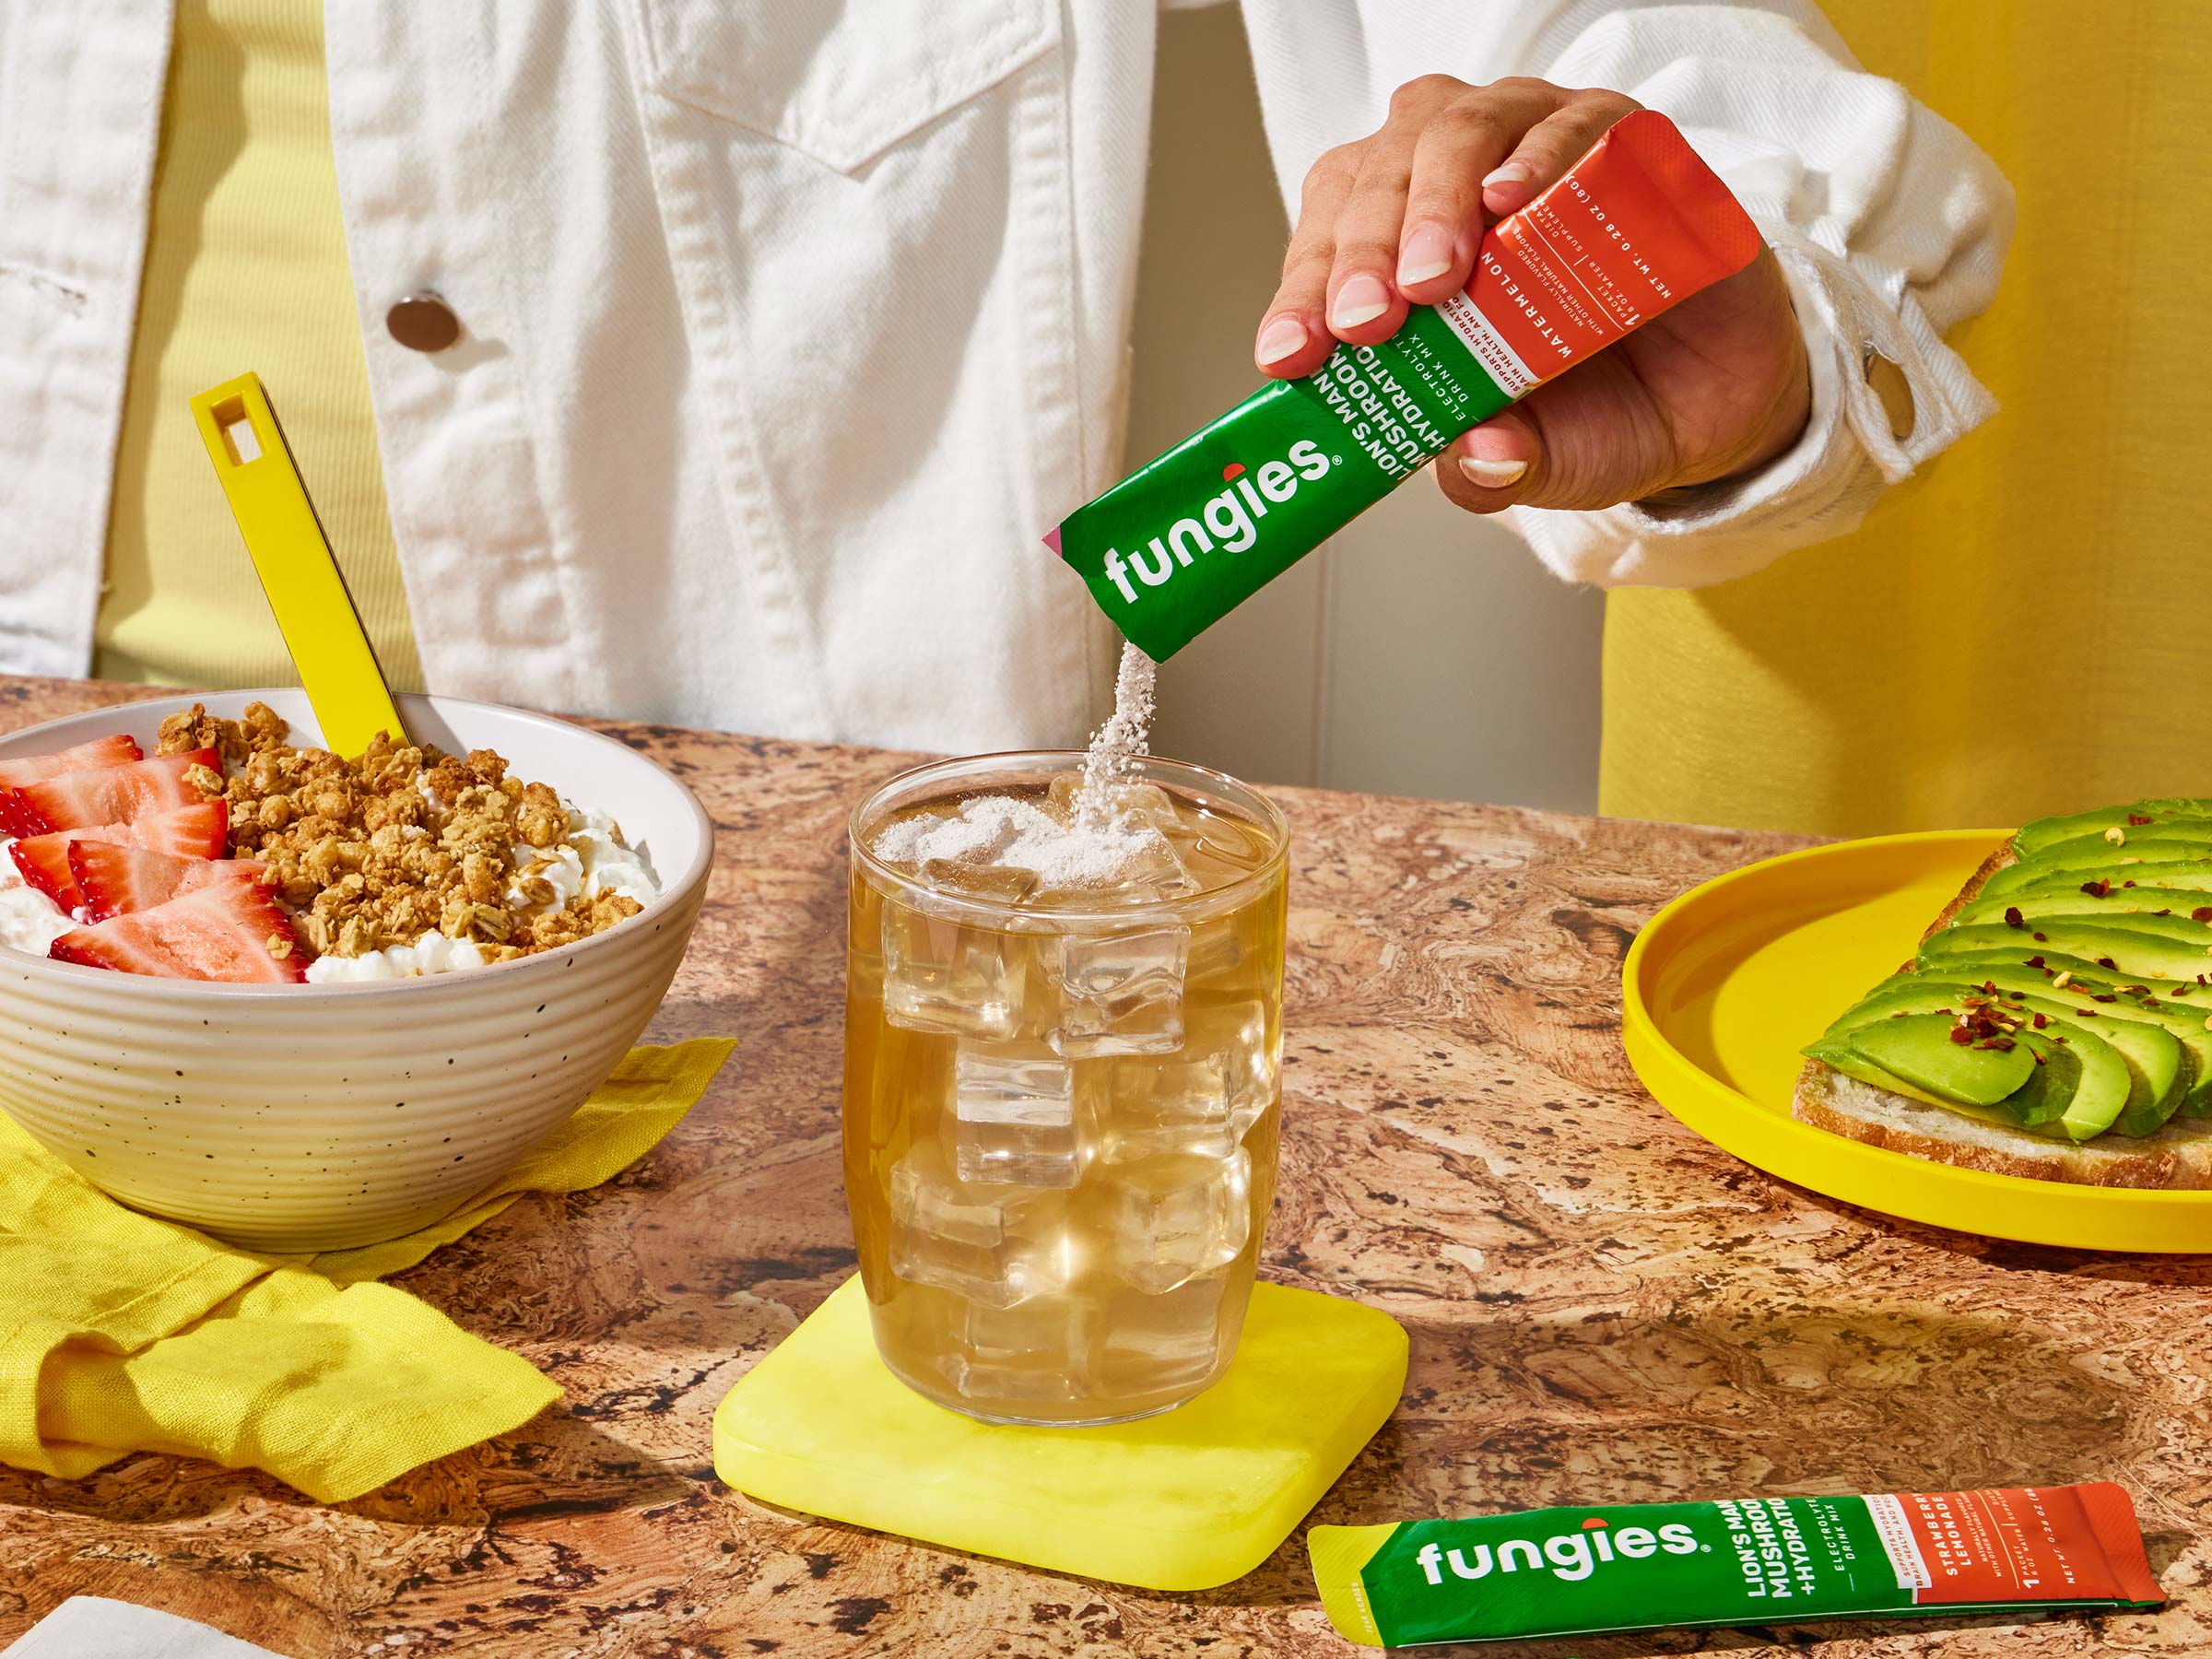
column 44, row 861
column 202, row 831
column 118, row 750
column 219, row 933
column 113, row 881
column 113, row 795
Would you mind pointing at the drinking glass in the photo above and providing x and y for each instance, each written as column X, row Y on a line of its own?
column 1062, row 1108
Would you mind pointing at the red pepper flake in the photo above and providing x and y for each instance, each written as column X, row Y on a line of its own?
column 2043, row 938
column 2106, row 997
column 2135, row 820
column 2039, row 1059
column 2096, row 889
column 2108, row 962
column 2167, row 912
column 2128, row 884
column 2002, row 1044
column 2041, row 1022
column 1962, row 1036
column 2036, row 961
column 2202, row 912
column 2013, row 917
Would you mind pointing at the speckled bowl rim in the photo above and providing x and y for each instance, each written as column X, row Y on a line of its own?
column 1215, row 901
column 672, row 891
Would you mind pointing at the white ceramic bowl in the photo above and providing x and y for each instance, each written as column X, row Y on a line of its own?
column 292, row 1118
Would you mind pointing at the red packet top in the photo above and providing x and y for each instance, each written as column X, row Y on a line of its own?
column 1635, row 226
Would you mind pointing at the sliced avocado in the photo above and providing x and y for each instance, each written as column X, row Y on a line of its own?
column 2139, row 953
column 1917, row 1049
column 2160, row 843
column 2177, row 1017
column 1842, row 1057
column 2192, row 871
column 2045, row 1098
column 2046, row 832
column 2117, row 878
column 2159, row 1070
column 2137, row 907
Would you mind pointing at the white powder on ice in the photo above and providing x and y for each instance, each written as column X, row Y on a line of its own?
column 1099, row 843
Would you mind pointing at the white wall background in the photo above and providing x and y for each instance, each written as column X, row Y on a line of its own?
column 1424, row 652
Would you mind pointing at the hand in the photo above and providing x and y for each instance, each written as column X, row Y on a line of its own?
column 1715, row 386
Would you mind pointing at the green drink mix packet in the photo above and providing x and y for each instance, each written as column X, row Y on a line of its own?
column 1741, row 1561
column 1638, row 225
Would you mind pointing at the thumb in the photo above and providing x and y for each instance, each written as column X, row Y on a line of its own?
column 1494, row 465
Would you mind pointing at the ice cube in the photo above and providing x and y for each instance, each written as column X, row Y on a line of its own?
column 1014, row 1116
column 1178, row 1216
column 1037, row 1350
column 1169, row 1340
column 1150, row 870
column 1217, row 947
column 1128, row 798
column 1172, row 1105
column 1121, row 994
column 1236, row 1034
column 993, row 1246
column 997, row 883
column 949, row 977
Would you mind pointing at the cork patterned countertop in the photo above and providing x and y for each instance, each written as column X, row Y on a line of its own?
column 1602, row 1307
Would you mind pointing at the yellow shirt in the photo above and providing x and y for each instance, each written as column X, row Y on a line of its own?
column 245, row 268
column 2025, row 628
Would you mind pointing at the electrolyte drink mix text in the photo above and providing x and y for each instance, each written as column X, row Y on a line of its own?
column 1741, row 1561
column 1636, row 225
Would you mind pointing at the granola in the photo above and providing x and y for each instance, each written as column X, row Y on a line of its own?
column 376, row 853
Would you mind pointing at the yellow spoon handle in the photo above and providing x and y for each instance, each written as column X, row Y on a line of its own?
column 293, row 558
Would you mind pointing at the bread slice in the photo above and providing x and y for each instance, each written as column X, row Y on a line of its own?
column 2179, row 1155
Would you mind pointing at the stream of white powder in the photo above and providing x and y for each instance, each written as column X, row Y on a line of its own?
column 1100, row 840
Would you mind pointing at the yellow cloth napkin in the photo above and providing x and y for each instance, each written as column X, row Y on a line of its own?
column 119, row 1333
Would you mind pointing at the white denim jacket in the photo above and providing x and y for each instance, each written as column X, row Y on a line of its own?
column 789, row 327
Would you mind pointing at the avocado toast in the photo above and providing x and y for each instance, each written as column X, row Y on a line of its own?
column 2056, row 1022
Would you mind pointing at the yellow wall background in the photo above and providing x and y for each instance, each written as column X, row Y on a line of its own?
column 2026, row 627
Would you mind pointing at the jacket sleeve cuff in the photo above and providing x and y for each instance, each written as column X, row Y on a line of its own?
column 1824, row 484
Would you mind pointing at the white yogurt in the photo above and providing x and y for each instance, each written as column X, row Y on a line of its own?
column 608, row 866
column 433, row 953
column 590, row 862
column 29, row 921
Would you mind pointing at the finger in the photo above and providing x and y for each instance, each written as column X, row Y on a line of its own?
column 1552, row 145
column 1364, row 305
column 1495, row 466
column 1459, row 145
column 1294, row 335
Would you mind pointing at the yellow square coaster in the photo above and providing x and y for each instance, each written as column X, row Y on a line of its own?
column 1193, row 1498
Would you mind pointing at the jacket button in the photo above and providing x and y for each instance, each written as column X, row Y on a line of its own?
column 423, row 322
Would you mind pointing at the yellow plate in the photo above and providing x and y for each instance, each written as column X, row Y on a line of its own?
column 1185, row 1501
column 1726, row 983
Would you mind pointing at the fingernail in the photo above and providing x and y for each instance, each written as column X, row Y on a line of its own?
column 1491, row 474
column 1512, row 172
column 1361, row 300
column 1427, row 253
column 1280, row 340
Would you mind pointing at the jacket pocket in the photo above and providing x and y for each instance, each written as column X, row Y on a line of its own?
column 841, row 81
